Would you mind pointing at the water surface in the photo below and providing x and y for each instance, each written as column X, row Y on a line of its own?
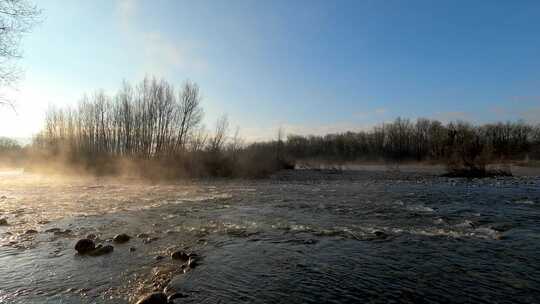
column 302, row 237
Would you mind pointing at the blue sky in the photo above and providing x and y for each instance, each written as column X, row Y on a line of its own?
column 308, row 66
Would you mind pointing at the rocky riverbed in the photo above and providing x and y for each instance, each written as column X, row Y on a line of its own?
column 300, row 237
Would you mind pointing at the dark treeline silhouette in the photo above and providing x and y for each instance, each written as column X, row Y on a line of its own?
column 157, row 130
column 461, row 145
column 151, row 127
column 149, row 120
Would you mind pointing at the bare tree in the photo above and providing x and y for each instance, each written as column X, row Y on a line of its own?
column 189, row 112
column 218, row 139
column 17, row 17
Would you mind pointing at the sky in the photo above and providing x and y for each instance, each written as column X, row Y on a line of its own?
column 309, row 67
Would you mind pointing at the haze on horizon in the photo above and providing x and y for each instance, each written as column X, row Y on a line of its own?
column 311, row 67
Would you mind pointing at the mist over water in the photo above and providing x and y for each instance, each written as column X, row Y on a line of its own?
column 301, row 237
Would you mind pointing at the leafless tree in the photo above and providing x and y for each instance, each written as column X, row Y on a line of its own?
column 218, row 139
column 17, row 17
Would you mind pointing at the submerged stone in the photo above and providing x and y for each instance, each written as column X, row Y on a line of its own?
column 84, row 246
column 150, row 240
column 180, row 255
column 176, row 295
column 121, row 238
column 153, row 298
column 380, row 234
column 52, row 230
column 101, row 250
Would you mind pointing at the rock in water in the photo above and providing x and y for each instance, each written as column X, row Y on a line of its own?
column 30, row 231
column 101, row 250
column 380, row 234
column 121, row 238
column 180, row 255
column 153, row 298
column 176, row 295
column 3, row 222
column 84, row 246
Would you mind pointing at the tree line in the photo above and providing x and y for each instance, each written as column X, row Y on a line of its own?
column 148, row 120
column 459, row 144
column 154, row 122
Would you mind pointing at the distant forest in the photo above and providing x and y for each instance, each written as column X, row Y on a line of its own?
column 157, row 129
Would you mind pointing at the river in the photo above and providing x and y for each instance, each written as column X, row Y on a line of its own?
column 299, row 237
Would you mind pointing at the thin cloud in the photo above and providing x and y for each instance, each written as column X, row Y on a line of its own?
column 446, row 117
column 374, row 113
column 162, row 55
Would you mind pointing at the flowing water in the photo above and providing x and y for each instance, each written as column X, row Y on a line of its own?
column 301, row 237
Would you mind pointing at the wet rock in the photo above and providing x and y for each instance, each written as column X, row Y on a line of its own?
column 153, row 298
column 380, row 234
column 121, row 238
column 310, row 241
column 142, row 235
column 180, row 255
column 174, row 296
column 150, row 240
column 132, row 249
column 53, row 230
column 159, row 257
column 84, row 246
column 91, row 236
column 192, row 262
column 3, row 222
column 43, row 222
column 501, row 227
column 101, row 250
column 30, row 231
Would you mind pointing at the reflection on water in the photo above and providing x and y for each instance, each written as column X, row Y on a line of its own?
column 349, row 239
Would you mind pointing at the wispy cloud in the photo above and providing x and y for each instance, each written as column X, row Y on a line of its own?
column 162, row 55
column 446, row 117
column 376, row 114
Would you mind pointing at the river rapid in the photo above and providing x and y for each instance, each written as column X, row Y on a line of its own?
column 298, row 237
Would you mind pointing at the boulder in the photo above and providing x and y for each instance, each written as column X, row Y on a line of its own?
column 121, row 238
column 84, row 246
column 101, row 250
column 30, row 231
column 180, row 255
column 174, row 296
column 380, row 234
column 3, row 222
column 153, row 298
